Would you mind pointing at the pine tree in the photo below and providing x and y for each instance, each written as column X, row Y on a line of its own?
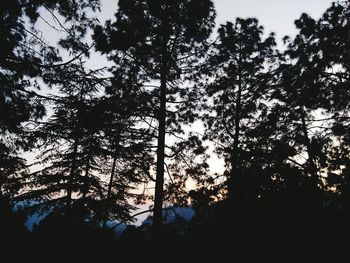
column 69, row 142
column 162, row 39
column 302, row 96
column 25, row 55
column 238, row 80
column 126, row 145
column 93, row 158
column 332, row 49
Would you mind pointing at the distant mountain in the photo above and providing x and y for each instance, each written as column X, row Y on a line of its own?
column 33, row 220
column 170, row 214
column 119, row 229
column 36, row 218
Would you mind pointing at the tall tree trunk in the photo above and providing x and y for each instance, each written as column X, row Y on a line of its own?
column 234, row 187
column 86, row 176
column 71, row 174
column 109, row 191
column 74, row 155
column 311, row 166
column 87, row 170
column 158, row 197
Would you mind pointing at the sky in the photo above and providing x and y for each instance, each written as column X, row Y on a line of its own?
column 275, row 15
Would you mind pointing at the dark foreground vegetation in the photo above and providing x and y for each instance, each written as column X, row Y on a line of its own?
column 254, row 231
column 105, row 141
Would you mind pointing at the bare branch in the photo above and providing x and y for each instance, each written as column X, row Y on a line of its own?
column 168, row 171
column 36, row 37
column 295, row 162
column 197, row 52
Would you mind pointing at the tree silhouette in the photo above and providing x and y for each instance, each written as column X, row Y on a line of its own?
column 126, row 145
column 25, row 55
column 93, row 156
column 299, row 93
column 333, row 51
column 306, row 97
column 162, row 39
column 68, row 140
column 238, row 80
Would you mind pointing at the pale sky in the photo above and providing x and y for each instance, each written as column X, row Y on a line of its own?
column 275, row 15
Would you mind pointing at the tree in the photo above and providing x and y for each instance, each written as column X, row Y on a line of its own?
column 68, row 140
column 332, row 48
column 92, row 156
column 303, row 96
column 126, row 145
column 25, row 55
column 162, row 39
column 238, row 80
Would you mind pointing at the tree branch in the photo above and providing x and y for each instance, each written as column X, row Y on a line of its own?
column 167, row 169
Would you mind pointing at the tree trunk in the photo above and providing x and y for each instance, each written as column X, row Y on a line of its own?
column 158, row 196
column 311, row 166
column 71, row 175
column 109, row 191
column 87, row 170
column 234, row 187
column 74, row 156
